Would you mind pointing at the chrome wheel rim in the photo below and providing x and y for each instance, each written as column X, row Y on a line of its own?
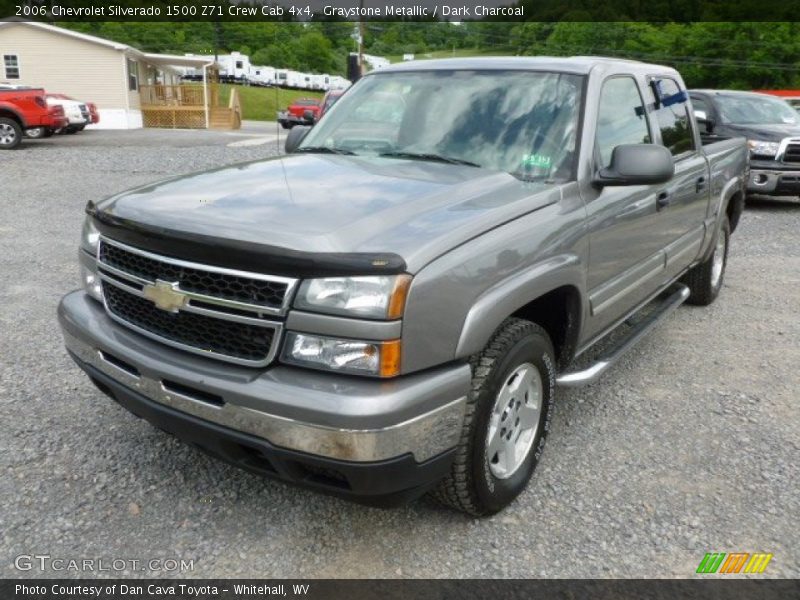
column 719, row 260
column 514, row 421
column 35, row 133
column 7, row 134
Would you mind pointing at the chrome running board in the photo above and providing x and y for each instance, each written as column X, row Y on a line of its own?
column 609, row 357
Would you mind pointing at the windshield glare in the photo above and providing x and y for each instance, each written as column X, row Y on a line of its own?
column 755, row 110
column 521, row 122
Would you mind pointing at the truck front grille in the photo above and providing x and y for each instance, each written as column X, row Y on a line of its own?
column 198, row 332
column 212, row 311
column 792, row 153
column 260, row 293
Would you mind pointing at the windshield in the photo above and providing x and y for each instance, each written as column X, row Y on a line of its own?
column 755, row 110
column 521, row 122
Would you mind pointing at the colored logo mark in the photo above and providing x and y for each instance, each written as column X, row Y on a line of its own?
column 734, row 562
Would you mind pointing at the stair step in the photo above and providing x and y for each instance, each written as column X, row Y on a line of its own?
column 671, row 299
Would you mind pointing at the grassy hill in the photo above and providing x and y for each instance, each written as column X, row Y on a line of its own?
column 261, row 104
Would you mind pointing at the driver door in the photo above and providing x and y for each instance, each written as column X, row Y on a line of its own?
column 626, row 255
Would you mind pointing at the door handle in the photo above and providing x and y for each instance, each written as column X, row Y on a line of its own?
column 700, row 184
column 662, row 199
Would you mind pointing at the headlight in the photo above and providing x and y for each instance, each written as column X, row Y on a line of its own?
column 372, row 297
column 90, row 237
column 381, row 359
column 759, row 148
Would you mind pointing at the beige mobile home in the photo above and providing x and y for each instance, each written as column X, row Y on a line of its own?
column 131, row 88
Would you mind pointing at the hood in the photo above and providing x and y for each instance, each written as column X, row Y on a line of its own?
column 309, row 205
column 766, row 132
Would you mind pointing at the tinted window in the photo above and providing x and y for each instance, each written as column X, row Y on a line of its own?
column 620, row 119
column 672, row 116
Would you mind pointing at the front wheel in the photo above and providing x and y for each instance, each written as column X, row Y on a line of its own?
column 506, row 422
column 705, row 280
column 10, row 134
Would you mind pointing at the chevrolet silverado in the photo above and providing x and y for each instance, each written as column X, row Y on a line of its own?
column 390, row 308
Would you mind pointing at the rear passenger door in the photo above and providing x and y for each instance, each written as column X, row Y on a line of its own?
column 683, row 202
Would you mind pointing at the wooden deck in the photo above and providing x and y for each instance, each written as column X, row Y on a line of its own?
column 183, row 107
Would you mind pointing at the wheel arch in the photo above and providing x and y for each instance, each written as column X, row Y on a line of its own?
column 547, row 294
column 9, row 113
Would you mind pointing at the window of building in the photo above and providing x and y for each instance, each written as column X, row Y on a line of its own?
column 11, row 64
column 133, row 75
column 620, row 118
column 672, row 115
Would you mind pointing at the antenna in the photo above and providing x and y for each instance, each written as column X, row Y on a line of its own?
column 277, row 125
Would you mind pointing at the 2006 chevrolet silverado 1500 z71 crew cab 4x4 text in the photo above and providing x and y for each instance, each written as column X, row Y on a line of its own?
column 388, row 309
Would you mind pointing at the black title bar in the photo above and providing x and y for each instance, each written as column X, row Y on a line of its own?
column 55, row 11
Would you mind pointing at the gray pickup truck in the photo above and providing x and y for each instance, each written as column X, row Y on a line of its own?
column 389, row 309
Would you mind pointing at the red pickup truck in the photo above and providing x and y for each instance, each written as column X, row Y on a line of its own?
column 303, row 111
column 25, row 108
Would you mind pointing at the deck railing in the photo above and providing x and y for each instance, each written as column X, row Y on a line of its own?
column 184, row 95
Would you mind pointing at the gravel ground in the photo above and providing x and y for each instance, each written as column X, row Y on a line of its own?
column 689, row 446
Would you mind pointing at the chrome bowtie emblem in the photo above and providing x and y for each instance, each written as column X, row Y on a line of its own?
column 165, row 295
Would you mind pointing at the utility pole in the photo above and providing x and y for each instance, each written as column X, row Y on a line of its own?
column 361, row 38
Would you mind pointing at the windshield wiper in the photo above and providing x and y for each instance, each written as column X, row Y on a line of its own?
column 429, row 156
column 325, row 150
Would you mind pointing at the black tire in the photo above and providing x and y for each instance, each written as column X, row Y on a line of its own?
column 36, row 133
column 71, row 130
column 471, row 486
column 48, row 132
column 286, row 125
column 703, row 286
column 10, row 134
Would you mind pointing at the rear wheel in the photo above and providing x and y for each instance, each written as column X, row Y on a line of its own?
column 10, row 133
column 506, row 421
column 36, row 133
column 705, row 280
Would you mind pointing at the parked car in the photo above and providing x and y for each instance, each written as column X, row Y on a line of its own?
column 383, row 317
column 77, row 112
column 94, row 114
column 772, row 129
column 302, row 111
column 24, row 109
column 328, row 100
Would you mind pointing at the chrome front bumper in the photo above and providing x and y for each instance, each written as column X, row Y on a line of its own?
column 763, row 181
column 327, row 415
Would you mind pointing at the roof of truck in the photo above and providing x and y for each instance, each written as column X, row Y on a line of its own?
column 580, row 65
column 728, row 92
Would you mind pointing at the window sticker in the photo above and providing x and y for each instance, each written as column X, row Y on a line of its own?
column 536, row 160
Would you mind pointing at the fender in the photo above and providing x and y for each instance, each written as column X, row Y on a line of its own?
column 514, row 292
column 712, row 222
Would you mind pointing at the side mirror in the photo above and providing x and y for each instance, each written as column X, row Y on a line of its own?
column 637, row 164
column 308, row 115
column 295, row 136
column 704, row 120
